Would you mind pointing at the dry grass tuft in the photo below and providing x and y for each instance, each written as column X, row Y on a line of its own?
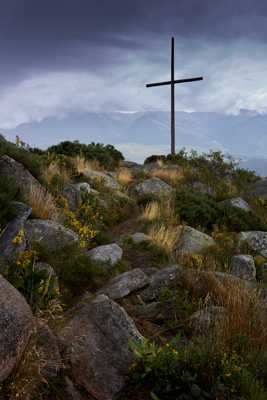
column 163, row 210
column 163, row 236
column 53, row 170
column 170, row 176
column 244, row 320
column 243, row 325
column 81, row 164
column 152, row 211
column 124, row 176
column 42, row 204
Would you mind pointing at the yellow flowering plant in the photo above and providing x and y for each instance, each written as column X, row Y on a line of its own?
column 35, row 284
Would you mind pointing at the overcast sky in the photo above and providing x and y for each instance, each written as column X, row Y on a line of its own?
column 60, row 56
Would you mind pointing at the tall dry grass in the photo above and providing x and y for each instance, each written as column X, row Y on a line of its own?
column 161, row 210
column 124, row 177
column 243, row 324
column 170, row 176
column 54, row 169
column 164, row 236
column 42, row 203
column 81, row 164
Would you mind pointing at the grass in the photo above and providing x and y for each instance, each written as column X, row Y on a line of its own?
column 124, row 177
column 42, row 203
column 163, row 236
column 173, row 177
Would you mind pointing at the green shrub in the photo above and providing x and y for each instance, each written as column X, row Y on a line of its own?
column 205, row 212
column 107, row 155
column 204, row 369
column 35, row 284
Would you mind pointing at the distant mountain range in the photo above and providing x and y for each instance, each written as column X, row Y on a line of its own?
column 243, row 136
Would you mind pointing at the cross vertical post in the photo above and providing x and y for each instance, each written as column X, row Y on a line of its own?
column 172, row 82
column 172, row 101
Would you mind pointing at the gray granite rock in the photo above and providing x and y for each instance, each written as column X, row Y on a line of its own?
column 107, row 180
column 206, row 320
column 168, row 277
column 49, row 233
column 257, row 240
column 125, row 283
column 191, row 241
column 8, row 249
column 237, row 202
column 16, row 327
column 152, row 186
column 96, row 343
column 243, row 266
column 139, row 237
column 10, row 168
column 109, row 254
column 260, row 190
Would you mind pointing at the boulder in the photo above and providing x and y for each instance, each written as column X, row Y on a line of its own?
column 47, row 345
column 191, row 241
column 96, row 343
column 243, row 266
column 168, row 277
column 8, row 249
column 107, row 180
column 260, row 189
column 237, row 202
column 108, row 254
column 73, row 193
column 152, row 186
column 49, row 233
column 205, row 320
column 257, row 240
column 10, row 168
column 125, row 283
column 139, row 237
column 16, row 327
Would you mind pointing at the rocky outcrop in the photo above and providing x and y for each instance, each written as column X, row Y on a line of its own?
column 49, row 233
column 8, row 249
column 123, row 284
column 237, row 202
column 108, row 254
column 257, row 240
column 96, row 342
column 192, row 241
column 10, row 168
column 139, row 237
column 73, row 193
column 243, row 266
column 152, row 186
column 260, row 190
column 107, row 180
column 168, row 277
column 16, row 326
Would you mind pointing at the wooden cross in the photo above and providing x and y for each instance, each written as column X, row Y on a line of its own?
column 172, row 83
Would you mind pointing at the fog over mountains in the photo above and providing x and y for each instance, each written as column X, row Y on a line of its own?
column 141, row 134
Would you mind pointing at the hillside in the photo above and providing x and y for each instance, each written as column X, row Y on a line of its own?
column 131, row 281
column 242, row 136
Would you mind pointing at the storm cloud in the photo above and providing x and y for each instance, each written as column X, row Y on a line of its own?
column 59, row 57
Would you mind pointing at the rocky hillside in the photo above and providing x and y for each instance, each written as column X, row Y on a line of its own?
column 144, row 282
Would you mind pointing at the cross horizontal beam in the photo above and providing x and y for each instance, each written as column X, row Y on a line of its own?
column 200, row 78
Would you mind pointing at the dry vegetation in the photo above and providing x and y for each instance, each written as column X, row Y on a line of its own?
column 124, row 177
column 42, row 203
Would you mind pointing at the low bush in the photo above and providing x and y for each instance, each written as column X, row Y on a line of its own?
column 205, row 212
column 107, row 155
column 203, row 370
